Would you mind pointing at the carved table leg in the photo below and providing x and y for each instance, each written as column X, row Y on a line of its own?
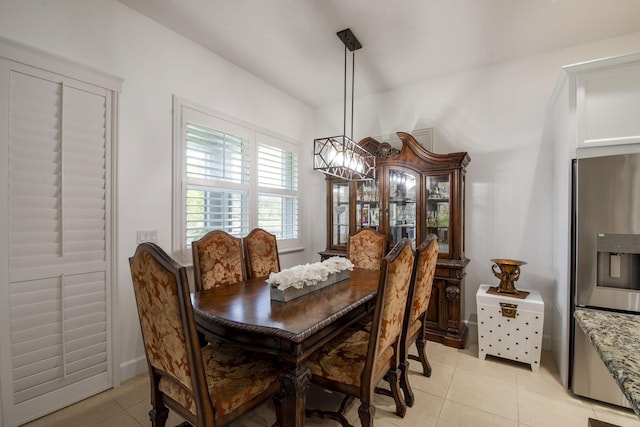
column 294, row 382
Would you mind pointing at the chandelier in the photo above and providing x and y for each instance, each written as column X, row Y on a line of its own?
column 338, row 155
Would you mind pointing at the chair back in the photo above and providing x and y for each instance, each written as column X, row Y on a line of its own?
column 424, row 272
column 366, row 248
column 391, row 303
column 261, row 253
column 218, row 260
column 168, row 331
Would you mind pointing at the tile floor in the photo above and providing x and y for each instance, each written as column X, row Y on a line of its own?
column 462, row 391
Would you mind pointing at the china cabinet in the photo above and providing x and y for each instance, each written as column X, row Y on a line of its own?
column 415, row 193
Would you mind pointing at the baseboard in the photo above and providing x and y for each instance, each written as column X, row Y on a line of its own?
column 133, row 368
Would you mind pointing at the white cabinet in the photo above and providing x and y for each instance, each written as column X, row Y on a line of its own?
column 609, row 106
column 594, row 111
column 606, row 95
column 510, row 327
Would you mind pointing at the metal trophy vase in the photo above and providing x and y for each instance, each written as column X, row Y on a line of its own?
column 508, row 272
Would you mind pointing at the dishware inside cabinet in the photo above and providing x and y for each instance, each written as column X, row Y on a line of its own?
column 340, row 213
column 402, row 206
column 367, row 205
column 438, row 209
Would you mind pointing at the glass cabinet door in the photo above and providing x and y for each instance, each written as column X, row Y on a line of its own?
column 438, row 223
column 402, row 206
column 367, row 204
column 340, row 213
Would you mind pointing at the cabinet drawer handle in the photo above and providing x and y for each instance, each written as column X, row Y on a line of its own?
column 509, row 310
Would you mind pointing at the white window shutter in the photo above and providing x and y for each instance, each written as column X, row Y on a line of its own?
column 217, row 176
column 57, row 236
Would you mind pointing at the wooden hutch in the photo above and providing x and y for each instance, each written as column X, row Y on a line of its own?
column 415, row 193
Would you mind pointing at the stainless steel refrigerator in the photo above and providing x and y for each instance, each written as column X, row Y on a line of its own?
column 606, row 259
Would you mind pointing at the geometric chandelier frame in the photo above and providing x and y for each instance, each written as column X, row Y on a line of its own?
column 340, row 156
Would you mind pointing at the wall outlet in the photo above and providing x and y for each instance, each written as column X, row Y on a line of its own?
column 147, row 236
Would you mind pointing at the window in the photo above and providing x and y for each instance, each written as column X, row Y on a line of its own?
column 217, row 169
column 232, row 176
column 277, row 170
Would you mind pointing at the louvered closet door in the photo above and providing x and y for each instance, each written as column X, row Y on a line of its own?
column 58, row 247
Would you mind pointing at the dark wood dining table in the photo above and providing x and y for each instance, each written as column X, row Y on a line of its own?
column 244, row 314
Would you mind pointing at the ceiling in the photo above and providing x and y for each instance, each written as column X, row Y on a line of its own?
column 292, row 44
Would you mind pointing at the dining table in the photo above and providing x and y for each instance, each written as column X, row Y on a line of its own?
column 245, row 315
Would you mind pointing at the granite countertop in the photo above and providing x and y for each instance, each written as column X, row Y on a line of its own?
column 616, row 337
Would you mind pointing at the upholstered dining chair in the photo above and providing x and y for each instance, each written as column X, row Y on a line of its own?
column 415, row 328
column 261, row 253
column 218, row 260
column 366, row 248
column 355, row 361
column 207, row 386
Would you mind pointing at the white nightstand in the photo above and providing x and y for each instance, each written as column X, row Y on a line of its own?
column 510, row 327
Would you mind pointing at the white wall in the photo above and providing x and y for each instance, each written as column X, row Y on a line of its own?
column 499, row 115
column 496, row 113
column 155, row 63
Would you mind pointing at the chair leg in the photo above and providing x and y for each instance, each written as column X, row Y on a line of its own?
column 366, row 413
column 394, row 382
column 409, row 397
column 159, row 412
column 278, row 401
column 158, row 416
column 422, row 355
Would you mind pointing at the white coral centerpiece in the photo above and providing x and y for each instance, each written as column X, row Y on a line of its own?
column 308, row 274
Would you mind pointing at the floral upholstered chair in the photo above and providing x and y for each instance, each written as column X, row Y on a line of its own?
column 366, row 248
column 261, row 253
column 207, row 386
column 416, row 314
column 218, row 260
column 355, row 361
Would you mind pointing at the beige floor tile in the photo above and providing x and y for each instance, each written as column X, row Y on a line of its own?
column 52, row 420
column 423, row 413
column 121, row 420
column 494, row 367
column 612, row 414
column 439, row 381
column 439, row 353
column 87, row 412
column 263, row 415
column 542, row 411
column 140, row 411
column 132, row 391
column 173, row 420
column 546, row 383
column 484, row 393
column 462, row 390
column 471, row 347
column 249, row 421
column 457, row 415
column 548, row 388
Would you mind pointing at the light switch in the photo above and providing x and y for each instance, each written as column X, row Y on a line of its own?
column 147, row 236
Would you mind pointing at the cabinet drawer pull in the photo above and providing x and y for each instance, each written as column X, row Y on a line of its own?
column 509, row 310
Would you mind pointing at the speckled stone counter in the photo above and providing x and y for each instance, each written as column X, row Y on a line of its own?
column 616, row 337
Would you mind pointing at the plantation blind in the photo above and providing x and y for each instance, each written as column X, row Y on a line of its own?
column 217, row 172
column 58, row 245
column 233, row 176
column 278, row 190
